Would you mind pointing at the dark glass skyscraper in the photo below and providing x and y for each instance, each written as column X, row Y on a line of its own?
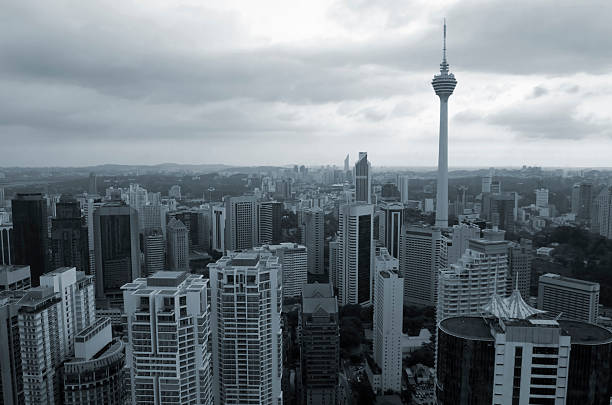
column 69, row 236
column 117, row 251
column 30, row 233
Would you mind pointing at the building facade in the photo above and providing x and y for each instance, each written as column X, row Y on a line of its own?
column 311, row 222
column 568, row 297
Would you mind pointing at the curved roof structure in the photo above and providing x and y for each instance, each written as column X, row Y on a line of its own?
column 512, row 307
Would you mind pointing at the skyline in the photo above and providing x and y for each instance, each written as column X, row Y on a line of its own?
column 105, row 83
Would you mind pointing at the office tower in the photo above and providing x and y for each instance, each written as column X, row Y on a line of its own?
column 393, row 226
column 319, row 344
column 486, row 182
column 496, row 187
column 582, row 201
column 30, row 233
column 168, row 334
column 500, row 209
column 246, row 296
column 175, row 192
column 6, row 244
column 293, row 259
column 117, row 251
column 603, row 205
column 137, row 199
column 178, row 246
column 519, row 266
column 69, row 243
column 388, row 317
column 460, row 236
column 154, row 217
column 95, row 374
column 521, row 359
column 154, row 247
column 363, row 179
column 42, row 345
column 14, row 278
column 283, row 189
column 11, row 377
column 541, row 197
column 570, row 298
column 443, row 84
column 356, row 254
column 402, row 185
column 347, row 163
column 218, row 228
column 311, row 222
column 269, row 221
column 467, row 286
column 240, row 222
column 334, row 262
column 2, row 196
column 93, row 184
column 423, row 253
column 200, row 228
column 88, row 212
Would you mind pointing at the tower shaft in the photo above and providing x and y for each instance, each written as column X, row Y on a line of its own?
column 442, row 186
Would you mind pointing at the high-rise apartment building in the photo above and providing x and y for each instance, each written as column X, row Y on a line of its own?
column 95, row 373
column 169, row 332
column 604, row 215
column 460, row 236
column 117, row 251
column 311, row 222
column 14, row 278
column 392, row 213
column 363, row 179
column 218, row 228
column 293, row 259
column 423, row 253
column 334, row 262
column 76, row 290
column 154, row 247
column 240, row 222
column 569, row 298
column 69, row 243
column 388, row 317
column 178, row 245
column 319, row 344
column 246, row 299
column 467, row 286
column 582, row 201
column 269, row 222
column 356, row 254
column 30, row 233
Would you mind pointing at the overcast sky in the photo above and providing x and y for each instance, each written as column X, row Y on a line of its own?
column 282, row 82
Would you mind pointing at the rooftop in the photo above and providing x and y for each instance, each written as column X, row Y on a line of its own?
column 167, row 278
column 552, row 277
column 468, row 327
column 245, row 259
column 585, row 333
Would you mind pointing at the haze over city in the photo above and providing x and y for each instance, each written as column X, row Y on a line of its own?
column 276, row 82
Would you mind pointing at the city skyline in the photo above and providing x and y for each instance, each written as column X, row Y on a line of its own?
column 124, row 84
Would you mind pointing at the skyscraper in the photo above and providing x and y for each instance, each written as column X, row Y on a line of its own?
column 69, row 242
column 444, row 85
column 423, row 253
column 6, row 244
column 117, row 251
column 240, row 222
column 218, row 228
column 269, row 218
column 319, row 344
column 356, row 254
column 293, row 259
column 311, row 222
column 388, row 317
column 393, row 226
column 582, row 201
column 519, row 266
column 30, row 233
column 569, row 298
column 460, row 236
column 541, row 197
column 95, row 374
column 178, row 245
column 93, row 184
column 363, row 179
column 168, row 331
column 154, row 252
column 246, row 297
column 402, row 185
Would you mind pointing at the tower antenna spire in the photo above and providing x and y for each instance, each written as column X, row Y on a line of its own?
column 444, row 64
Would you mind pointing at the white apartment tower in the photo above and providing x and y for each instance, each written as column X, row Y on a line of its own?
column 168, row 334
column 293, row 259
column 246, row 297
column 356, row 254
column 388, row 316
column 467, row 286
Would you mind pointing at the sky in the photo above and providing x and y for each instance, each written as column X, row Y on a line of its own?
column 276, row 82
